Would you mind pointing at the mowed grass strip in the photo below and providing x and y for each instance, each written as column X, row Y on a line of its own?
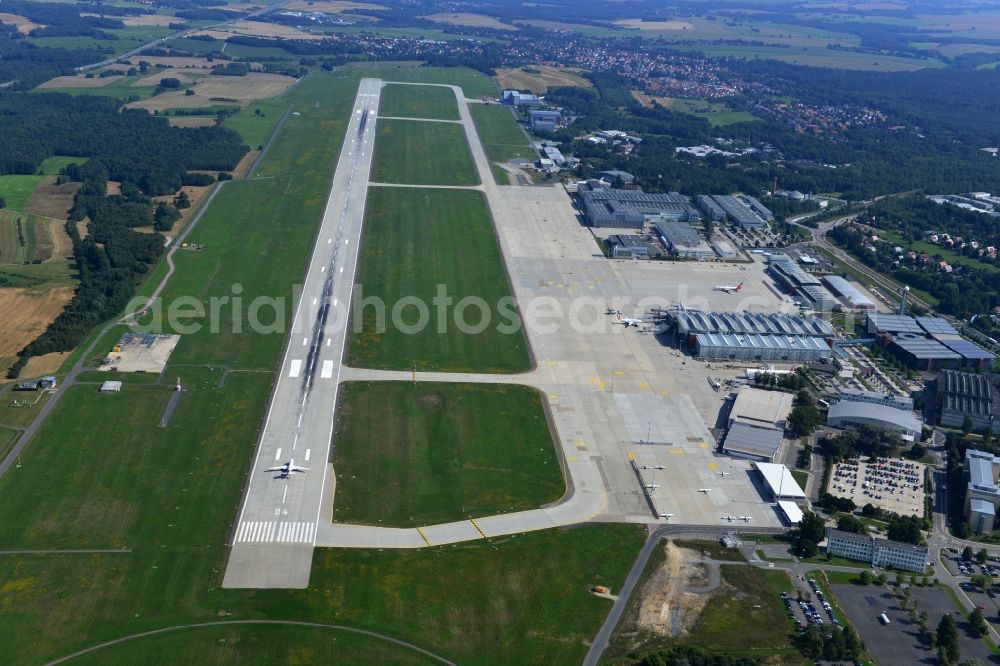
column 415, row 243
column 407, row 454
column 501, row 137
column 257, row 644
column 413, row 152
column 15, row 190
column 405, row 101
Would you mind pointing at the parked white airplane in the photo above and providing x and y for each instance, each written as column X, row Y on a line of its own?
column 729, row 518
column 723, row 473
column 729, row 288
column 666, row 516
column 288, row 468
column 653, row 467
column 628, row 321
column 651, row 486
column 745, row 518
column 705, row 490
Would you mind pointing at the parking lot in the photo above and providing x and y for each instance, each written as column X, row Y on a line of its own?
column 813, row 608
column 899, row 641
column 888, row 483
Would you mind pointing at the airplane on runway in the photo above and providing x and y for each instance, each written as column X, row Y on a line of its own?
column 287, row 469
column 705, row 490
column 628, row 321
column 729, row 288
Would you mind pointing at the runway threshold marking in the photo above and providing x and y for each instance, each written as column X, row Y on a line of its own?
column 424, row 537
column 327, row 372
column 477, row 527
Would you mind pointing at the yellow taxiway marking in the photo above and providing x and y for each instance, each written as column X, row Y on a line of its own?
column 580, row 443
column 477, row 527
column 619, row 373
column 664, row 393
column 571, row 458
column 704, row 446
column 600, row 384
column 631, row 455
column 553, row 396
column 644, row 385
column 712, row 466
column 677, row 452
column 424, row 537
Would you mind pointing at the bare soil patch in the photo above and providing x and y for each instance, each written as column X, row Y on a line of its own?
column 471, row 21
column 191, row 121
column 113, row 187
column 665, row 608
column 541, row 78
column 51, row 200
column 243, row 168
column 220, row 91
column 39, row 366
column 23, row 25
column 639, row 24
column 642, row 98
column 27, row 312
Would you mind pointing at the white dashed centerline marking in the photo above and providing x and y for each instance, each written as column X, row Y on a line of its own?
column 308, row 453
column 277, row 454
column 296, row 366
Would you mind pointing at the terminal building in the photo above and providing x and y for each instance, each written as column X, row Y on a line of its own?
column 982, row 494
column 966, row 395
column 681, row 239
column 926, row 343
column 879, row 552
column 630, row 209
column 753, row 336
column 849, row 295
column 848, row 413
column 807, row 288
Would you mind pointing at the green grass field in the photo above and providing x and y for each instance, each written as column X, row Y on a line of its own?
column 257, row 644
column 7, row 439
column 415, row 240
column 415, row 152
column 801, row 477
column 750, row 614
column 16, row 227
column 16, row 190
column 403, row 101
column 418, row 454
column 500, row 134
column 255, row 129
column 52, row 165
column 123, row 89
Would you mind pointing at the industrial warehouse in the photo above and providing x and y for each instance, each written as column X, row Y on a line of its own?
column 741, row 210
column 965, row 395
column 757, row 421
column 926, row 343
column 808, row 289
column 682, row 240
column 629, row 209
column 752, row 336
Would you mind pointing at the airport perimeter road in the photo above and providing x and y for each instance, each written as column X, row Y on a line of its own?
column 276, row 531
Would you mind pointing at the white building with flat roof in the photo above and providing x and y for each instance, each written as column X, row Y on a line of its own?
column 982, row 493
column 780, row 482
column 879, row 552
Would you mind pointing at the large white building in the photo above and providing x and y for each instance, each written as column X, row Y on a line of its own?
column 982, row 494
column 879, row 552
column 848, row 413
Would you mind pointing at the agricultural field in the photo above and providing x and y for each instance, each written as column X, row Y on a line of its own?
column 408, row 455
column 16, row 189
column 501, row 136
column 415, row 152
column 216, row 90
column 25, row 238
column 23, row 25
column 27, row 313
column 331, row 6
column 259, row 29
column 470, row 21
column 539, row 78
column 405, row 101
column 415, row 240
column 8, row 438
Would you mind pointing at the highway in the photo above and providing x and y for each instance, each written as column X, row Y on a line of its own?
column 275, row 534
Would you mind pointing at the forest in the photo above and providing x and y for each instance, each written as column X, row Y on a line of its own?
column 142, row 152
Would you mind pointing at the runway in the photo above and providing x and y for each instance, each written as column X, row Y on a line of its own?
column 276, row 530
